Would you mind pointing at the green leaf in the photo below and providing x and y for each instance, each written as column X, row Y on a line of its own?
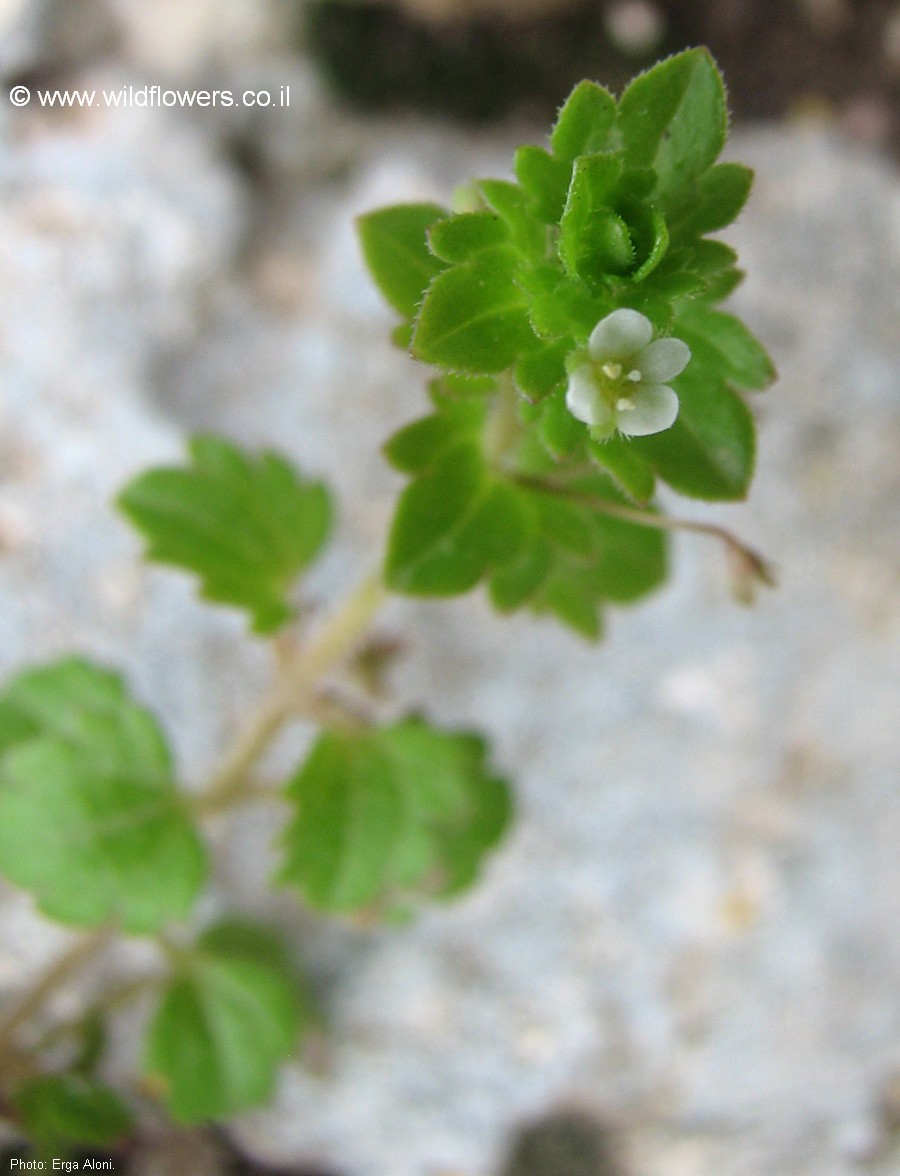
column 562, row 433
column 569, row 596
column 671, row 283
column 721, row 194
column 395, row 248
column 624, row 560
column 651, row 240
column 721, row 343
column 567, row 524
column 674, row 118
column 235, row 939
column 401, row 335
column 542, row 372
column 384, row 811
column 594, row 240
column 632, row 472
column 15, row 725
column 457, row 388
column 514, row 207
column 579, row 558
column 66, row 700
column 461, row 415
column 709, row 452
column 629, row 560
column 517, row 581
column 452, row 526
column 720, row 285
column 60, row 1111
column 635, row 185
column 709, row 258
column 90, row 820
column 418, row 446
column 559, row 306
column 247, row 526
column 474, row 319
column 461, row 237
column 704, row 266
column 585, row 123
column 227, row 1019
column 349, row 818
column 545, row 180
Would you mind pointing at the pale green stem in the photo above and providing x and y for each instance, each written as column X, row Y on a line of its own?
column 108, row 1003
column 292, row 692
column 504, row 427
column 645, row 518
column 84, row 949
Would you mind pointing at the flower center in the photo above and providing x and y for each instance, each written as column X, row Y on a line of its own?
column 616, row 384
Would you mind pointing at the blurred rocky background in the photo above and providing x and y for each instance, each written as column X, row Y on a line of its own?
column 479, row 58
column 686, row 960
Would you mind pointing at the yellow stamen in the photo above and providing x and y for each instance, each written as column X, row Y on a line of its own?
column 612, row 371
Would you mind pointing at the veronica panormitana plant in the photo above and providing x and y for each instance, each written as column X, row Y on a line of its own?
column 579, row 357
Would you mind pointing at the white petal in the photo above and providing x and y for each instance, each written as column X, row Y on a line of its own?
column 663, row 360
column 655, row 409
column 620, row 335
column 583, row 398
column 581, row 394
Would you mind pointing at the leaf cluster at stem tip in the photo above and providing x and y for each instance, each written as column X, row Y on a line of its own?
column 502, row 297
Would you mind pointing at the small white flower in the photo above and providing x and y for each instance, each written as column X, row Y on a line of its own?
column 622, row 382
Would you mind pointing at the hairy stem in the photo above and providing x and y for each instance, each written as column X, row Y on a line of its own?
column 114, row 999
column 292, row 692
column 747, row 564
column 504, row 427
column 84, row 949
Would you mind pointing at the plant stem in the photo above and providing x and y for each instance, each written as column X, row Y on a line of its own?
column 231, row 780
column 332, row 643
column 746, row 562
column 83, row 950
column 504, row 427
column 108, row 1003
